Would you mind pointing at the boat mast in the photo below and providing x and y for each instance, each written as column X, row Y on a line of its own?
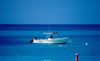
column 49, row 30
column 49, row 27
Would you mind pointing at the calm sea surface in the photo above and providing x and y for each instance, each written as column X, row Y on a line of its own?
column 15, row 43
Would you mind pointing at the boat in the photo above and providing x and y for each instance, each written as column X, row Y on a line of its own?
column 50, row 39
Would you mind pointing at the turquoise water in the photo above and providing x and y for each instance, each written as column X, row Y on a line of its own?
column 15, row 43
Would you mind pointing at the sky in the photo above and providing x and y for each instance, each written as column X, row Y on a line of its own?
column 49, row 11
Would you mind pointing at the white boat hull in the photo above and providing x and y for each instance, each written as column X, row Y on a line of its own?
column 55, row 40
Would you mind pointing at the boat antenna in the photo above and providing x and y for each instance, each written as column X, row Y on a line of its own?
column 49, row 27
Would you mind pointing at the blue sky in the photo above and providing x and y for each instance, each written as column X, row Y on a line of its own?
column 49, row 12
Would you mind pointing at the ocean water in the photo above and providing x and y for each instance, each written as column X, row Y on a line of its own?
column 15, row 43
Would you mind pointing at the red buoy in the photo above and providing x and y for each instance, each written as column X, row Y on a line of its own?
column 76, row 56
